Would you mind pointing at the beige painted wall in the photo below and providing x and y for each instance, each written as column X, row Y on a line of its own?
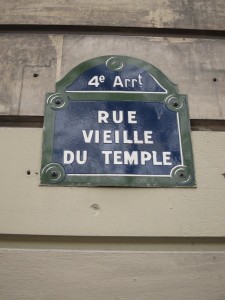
column 27, row 208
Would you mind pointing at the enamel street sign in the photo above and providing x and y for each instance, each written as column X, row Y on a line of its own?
column 117, row 121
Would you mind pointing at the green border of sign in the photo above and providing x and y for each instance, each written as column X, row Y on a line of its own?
column 53, row 173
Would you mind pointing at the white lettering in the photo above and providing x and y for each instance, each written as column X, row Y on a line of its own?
column 125, row 138
column 117, row 158
column 139, row 79
column 126, row 82
column 166, row 157
column 78, row 157
column 133, row 81
column 155, row 162
column 135, row 158
column 107, row 137
column 97, row 137
column 94, row 81
column 131, row 158
column 68, row 157
column 106, row 154
column 148, row 137
column 136, row 140
column 102, row 116
column 117, row 119
column 118, row 81
column 145, row 156
column 117, row 136
column 131, row 117
column 87, row 136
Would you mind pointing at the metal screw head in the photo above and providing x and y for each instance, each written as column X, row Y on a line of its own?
column 181, row 175
column 54, row 174
column 175, row 103
column 115, row 63
column 58, row 101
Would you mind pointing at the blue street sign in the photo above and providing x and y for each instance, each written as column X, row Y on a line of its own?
column 110, row 137
column 117, row 121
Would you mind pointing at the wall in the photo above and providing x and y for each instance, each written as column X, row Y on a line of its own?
column 110, row 243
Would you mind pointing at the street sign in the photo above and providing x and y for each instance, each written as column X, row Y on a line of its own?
column 117, row 121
